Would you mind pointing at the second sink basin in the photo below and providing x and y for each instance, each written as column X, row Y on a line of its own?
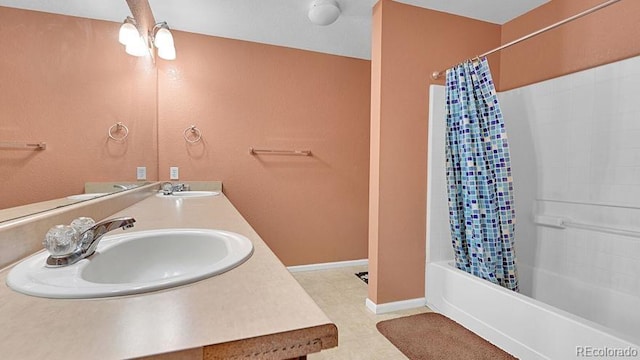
column 188, row 194
column 135, row 262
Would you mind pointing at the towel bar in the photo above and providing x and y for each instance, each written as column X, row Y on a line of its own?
column 253, row 151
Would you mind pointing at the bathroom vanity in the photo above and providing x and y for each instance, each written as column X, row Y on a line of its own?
column 254, row 311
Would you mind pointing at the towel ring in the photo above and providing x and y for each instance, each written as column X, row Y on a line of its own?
column 195, row 132
column 116, row 128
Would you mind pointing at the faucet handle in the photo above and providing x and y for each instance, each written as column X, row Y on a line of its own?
column 82, row 224
column 61, row 240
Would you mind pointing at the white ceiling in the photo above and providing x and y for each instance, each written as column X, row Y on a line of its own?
column 277, row 22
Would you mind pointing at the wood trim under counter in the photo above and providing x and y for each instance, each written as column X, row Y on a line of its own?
column 287, row 345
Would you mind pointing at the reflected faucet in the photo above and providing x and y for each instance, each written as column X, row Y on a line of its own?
column 89, row 240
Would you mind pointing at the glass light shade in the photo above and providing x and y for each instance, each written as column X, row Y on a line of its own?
column 167, row 52
column 128, row 33
column 137, row 47
column 163, row 38
column 324, row 12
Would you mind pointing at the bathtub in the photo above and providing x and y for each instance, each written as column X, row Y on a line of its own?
column 522, row 326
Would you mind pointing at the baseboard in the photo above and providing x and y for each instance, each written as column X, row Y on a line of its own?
column 329, row 265
column 395, row 306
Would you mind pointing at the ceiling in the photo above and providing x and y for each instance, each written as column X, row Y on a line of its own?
column 277, row 22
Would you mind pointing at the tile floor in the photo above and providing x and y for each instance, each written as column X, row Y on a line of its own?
column 341, row 295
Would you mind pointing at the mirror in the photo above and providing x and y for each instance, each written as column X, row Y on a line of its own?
column 67, row 82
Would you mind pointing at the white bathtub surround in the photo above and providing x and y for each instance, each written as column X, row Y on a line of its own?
column 576, row 163
column 438, row 232
column 327, row 266
column 395, row 305
column 522, row 326
column 576, row 168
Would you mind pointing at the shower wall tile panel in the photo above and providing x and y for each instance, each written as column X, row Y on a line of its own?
column 575, row 143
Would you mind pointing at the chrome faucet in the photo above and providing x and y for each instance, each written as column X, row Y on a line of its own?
column 169, row 188
column 120, row 186
column 89, row 240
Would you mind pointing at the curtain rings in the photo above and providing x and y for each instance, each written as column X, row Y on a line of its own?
column 117, row 128
column 192, row 134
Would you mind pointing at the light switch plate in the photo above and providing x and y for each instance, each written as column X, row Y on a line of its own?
column 141, row 173
column 174, row 173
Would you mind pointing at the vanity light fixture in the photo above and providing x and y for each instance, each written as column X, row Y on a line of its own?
column 163, row 41
column 159, row 38
column 129, row 36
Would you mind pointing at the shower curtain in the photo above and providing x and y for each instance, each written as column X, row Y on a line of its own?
column 481, row 208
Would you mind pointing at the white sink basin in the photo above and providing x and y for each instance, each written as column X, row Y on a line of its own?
column 133, row 263
column 85, row 196
column 189, row 194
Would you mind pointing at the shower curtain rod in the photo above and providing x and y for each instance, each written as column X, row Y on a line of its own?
column 437, row 74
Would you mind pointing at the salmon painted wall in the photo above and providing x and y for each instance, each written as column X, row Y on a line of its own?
column 609, row 35
column 409, row 43
column 64, row 81
column 242, row 94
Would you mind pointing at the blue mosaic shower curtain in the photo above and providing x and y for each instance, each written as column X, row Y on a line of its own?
column 480, row 187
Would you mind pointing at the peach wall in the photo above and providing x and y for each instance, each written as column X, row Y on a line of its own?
column 242, row 94
column 65, row 81
column 409, row 43
column 609, row 35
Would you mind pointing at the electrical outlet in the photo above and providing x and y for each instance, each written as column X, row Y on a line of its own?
column 174, row 173
column 141, row 173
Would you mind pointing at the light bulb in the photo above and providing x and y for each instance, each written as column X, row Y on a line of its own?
column 128, row 33
column 167, row 52
column 137, row 47
column 163, row 38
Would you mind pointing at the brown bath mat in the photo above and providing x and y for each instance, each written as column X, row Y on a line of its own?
column 431, row 336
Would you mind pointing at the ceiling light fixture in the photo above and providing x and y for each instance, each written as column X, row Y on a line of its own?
column 324, row 12
column 163, row 40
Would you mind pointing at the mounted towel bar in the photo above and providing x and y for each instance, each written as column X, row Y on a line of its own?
column 22, row 145
column 253, row 151
column 562, row 223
